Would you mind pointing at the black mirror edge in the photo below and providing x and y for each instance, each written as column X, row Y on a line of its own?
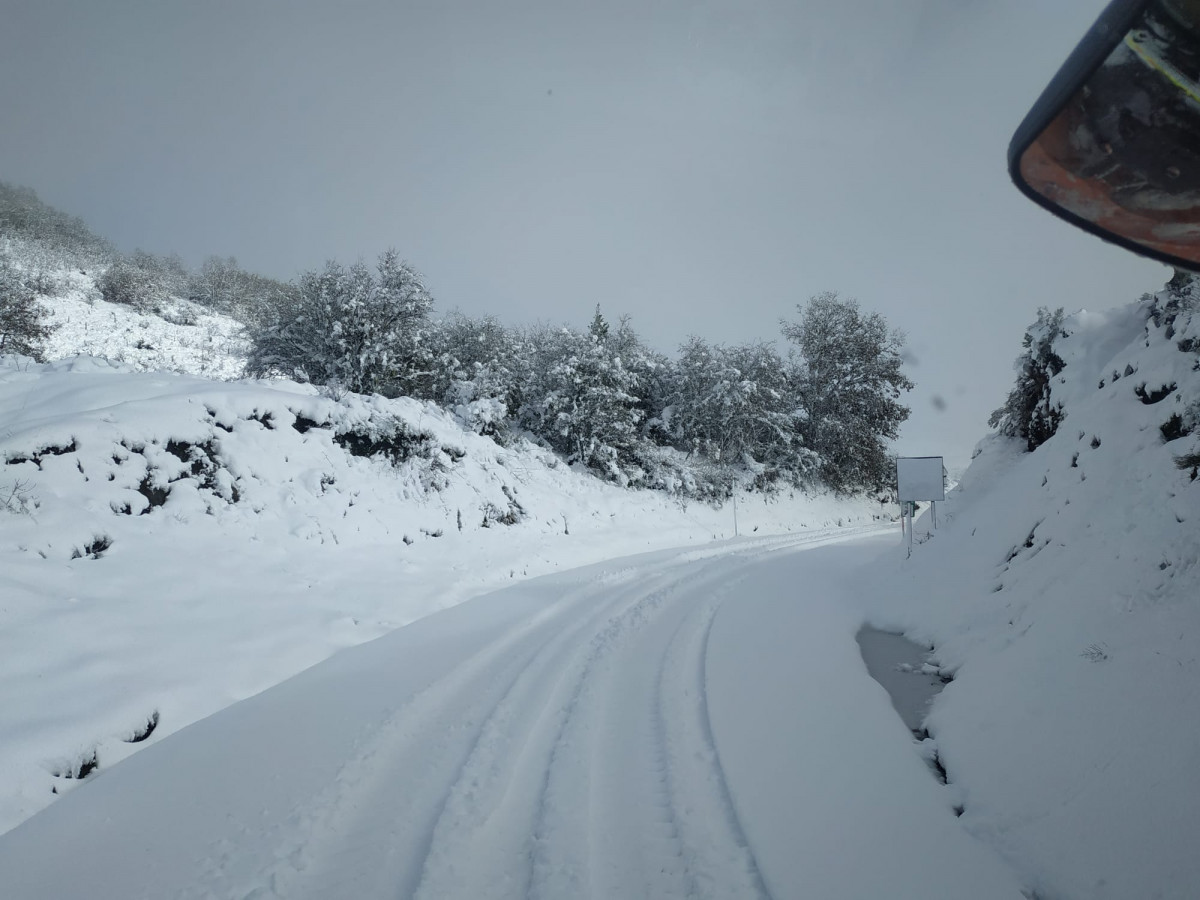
column 1101, row 39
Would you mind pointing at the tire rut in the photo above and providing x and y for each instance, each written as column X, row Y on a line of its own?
column 338, row 827
column 503, row 769
column 718, row 859
column 433, row 805
column 562, row 839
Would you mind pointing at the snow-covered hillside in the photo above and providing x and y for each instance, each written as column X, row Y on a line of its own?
column 181, row 337
column 1064, row 591
column 188, row 542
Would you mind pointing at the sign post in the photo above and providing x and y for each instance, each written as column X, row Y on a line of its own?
column 919, row 478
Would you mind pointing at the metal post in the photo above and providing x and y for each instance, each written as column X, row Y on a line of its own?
column 735, row 528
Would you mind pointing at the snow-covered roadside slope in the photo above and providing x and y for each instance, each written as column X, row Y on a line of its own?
column 190, row 542
column 1063, row 591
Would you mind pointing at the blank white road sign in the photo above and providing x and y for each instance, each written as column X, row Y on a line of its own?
column 920, row 478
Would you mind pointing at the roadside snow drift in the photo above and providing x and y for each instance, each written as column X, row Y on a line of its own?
column 1063, row 591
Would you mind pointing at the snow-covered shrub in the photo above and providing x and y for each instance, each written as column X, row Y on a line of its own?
column 184, row 313
column 512, row 513
column 23, row 327
column 388, row 437
column 17, row 497
column 1030, row 412
column 43, row 283
column 361, row 330
column 484, row 416
column 216, row 283
column 685, row 476
column 126, row 283
column 1174, row 311
column 651, row 373
column 476, row 368
column 143, row 280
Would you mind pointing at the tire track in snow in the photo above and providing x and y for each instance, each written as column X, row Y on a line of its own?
column 563, row 831
column 718, row 858
column 576, row 852
column 398, row 801
column 501, row 835
column 494, row 810
column 410, row 757
column 492, row 781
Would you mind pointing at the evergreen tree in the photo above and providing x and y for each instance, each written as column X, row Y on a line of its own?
column 599, row 327
column 1029, row 412
column 580, row 398
column 649, row 379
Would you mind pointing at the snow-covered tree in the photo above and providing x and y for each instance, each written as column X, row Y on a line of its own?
column 736, row 405
column 476, row 370
column 580, row 398
column 849, row 376
column 348, row 326
column 1030, row 412
column 688, row 416
column 649, row 378
column 23, row 327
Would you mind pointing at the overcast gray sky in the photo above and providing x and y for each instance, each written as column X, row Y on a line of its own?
column 703, row 166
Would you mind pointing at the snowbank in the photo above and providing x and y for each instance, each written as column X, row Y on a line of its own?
column 1062, row 592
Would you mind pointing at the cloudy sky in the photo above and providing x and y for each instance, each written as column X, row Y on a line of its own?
column 702, row 165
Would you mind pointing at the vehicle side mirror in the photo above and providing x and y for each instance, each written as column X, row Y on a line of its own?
column 1113, row 143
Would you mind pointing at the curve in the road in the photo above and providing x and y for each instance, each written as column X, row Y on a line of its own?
column 497, row 780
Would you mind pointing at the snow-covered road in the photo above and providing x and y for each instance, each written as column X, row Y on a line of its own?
column 681, row 724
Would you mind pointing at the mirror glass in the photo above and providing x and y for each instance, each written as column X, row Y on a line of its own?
column 1123, row 153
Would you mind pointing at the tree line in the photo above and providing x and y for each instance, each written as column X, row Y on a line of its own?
column 821, row 411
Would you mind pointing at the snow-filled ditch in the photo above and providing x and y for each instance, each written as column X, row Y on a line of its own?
column 177, row 544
